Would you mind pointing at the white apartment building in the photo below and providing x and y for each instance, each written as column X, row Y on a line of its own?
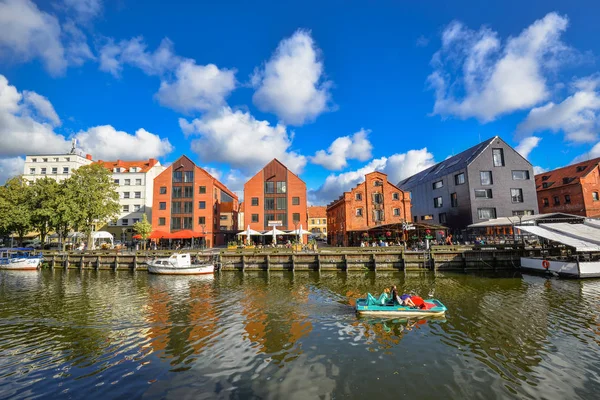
column 56, row 166
column 135, row 180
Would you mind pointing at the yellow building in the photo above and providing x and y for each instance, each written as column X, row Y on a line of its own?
column 317, row 220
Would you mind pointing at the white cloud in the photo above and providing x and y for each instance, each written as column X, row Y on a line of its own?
column 344, row 148
column 84, row 10
column 576, row 116
column 41, row 106
column 594, row 152
column 527, row 144
column 239, row 139
column 539, row 170
column 197, row 87
column 397, row 167
column 495, row 79
column 106, row 143
column 10, row 167
column 291, row 84
column 77, row 50
column 235, row 181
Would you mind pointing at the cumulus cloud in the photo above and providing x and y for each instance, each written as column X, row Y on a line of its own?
column 77, row 51
column 197, row 87
column 239, row 139
column 527, row 144
column 594, row 152
column 291, row 84
column 492, row 79
column 41, row 106
column 10, row 167
column 576, row 116
column 344, row 148
column 397, row 167
column 539, row 170
column 84, row 10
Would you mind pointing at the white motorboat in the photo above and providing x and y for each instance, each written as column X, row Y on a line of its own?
column 20, row 259
column 179, row 264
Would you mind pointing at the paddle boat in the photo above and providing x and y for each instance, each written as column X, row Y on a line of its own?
column 179, row 264
column 384, row 306
column 20, row 258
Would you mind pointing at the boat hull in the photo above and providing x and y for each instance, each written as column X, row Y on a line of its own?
column 191, row 270
column 22, row 264
column 362, row 308
column 564, row 268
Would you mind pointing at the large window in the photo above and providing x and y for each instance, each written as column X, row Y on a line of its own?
column 459, row 179
column 437, row 202
column 486, row 213
column 454, row 200
column 483, row 193
column 438, row 184
column 188, row 176
column 187, row 222
column 520, row 175
column 176, row 223
column 269, row 187
column 177, row 192
column 254, row 217
column 295, row 201
column 177, row 177
column 176, row 207
column 281, row 187
column 281, row 203
column 188, row 192
column 188, row 207
column 498, row 155
column 377, row 198
column 486, row 178
column 378, row 215
column 269, row 203
column 516, row 195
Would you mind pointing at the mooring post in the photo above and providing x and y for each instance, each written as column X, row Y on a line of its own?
column 81, row 262
column 293, row 262
column 66, row 262
column 243, row 262
column 116, row 266
column 318, row 262
column 97, row 263
column 374, row 258
column 53, row 264
column 268, row 262
column 135, row 262
column 345, row 261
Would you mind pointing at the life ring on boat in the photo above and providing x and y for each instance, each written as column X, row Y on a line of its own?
column 546, row 264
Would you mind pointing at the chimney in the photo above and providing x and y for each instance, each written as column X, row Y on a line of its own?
column 89, row 157
column 152, row 161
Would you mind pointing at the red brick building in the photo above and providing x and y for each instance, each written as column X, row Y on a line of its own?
column 275, row 194
column 375, row 204
column 573, row 190
column 186, row 197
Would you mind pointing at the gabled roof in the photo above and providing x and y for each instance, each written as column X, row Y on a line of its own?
column 317, row 212
column 564, row 176
column 143, row 165
column 447, row 166
column 280, row 163
column 217, row 183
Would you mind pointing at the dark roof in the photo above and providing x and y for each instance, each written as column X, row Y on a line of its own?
column 564, row 176
column 447, row 166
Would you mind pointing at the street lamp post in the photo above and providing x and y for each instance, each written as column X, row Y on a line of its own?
column 296, row 227
column 203, row 237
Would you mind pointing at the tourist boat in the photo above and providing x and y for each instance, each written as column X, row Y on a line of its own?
column 179, row 264
column 385, row 307
column 19, row 259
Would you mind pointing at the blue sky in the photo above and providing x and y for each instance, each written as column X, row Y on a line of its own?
column 333, row 89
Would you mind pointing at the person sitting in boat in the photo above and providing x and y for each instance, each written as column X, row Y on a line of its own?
column 406, row 300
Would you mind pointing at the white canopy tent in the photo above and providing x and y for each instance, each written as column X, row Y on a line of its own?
column 101, row 237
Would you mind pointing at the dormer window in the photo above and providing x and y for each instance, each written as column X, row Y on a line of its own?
column 377, row 183
column 545, row 177
column 567, row 180
column 581, row 168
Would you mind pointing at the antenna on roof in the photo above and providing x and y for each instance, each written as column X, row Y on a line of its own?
column 73, row 145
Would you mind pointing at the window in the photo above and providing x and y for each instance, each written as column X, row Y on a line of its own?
column 34, row 160
column 358, row 196
column 437, row 202
column 378, row 215
column 112, row 223
column 486, row 178
column 377, row 198
column 188, row 192
column 163, row 190
column 359, row 212
column 254, row 217
column 138, row 182
column 65, row 170
column 43, row 171
column 498, row 156
column 188, row 207
column 67, row 159
column 486, row 213
column 546, row 185
column 595, row 196
column 177, row 192
column 202, row 189
column 135, row 220
column 116, row 181
column 545, row 177
column 520, row 175
column 295, row 201
column 516, row 195
column 581, row 168
column 117, row 170
column 177, row 176
column 324, row 221
column 395, row 196
column 442, row 218
column 269, row 217
column 454, row 200
column 438, row 184
column 556, row 201
column 223, row 217
column 136, row 207
column 459, row 179
column 483, row 193
column 377, row 183
column 127, row 182
column 255, row 201
column 567, row 199
column 312, row 221
column 269, row 203
column 269, row 187
column 426, row 217
column 396, row 212
column 176, row 207
column 281, row 203
column 162, row 205
column 125, row 195
column 201, row 220
column 176, row 223
column 55, row 170
column 55, row 159
column 138, row 195
column 32, row 171
column 126, row 208
column 187, row 222
column 281, row 187
column 518, row 213
column 124, row 222
column 202, row 205
column 415, row 218
column 546, row 202
column 295, row 217
column 44, row 159
column 188, row 176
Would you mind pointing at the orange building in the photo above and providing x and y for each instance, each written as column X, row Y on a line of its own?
column 275, row 194
column 186, row 197
column 374, row 205
column 317, row 220
column 574, row 189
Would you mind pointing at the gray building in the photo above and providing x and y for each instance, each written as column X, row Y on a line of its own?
column 489, row 180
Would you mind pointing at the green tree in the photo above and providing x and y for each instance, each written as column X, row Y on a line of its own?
column 143, row 228
column 42, row 204
column 64, row 217
column 15, row 214
column 92, row 192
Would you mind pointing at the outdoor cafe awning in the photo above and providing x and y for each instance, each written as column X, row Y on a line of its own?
column 184, row 234
column 571, row 236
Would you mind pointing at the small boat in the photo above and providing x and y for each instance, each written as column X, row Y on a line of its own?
column 179, row 264
column 385, row 307
column 20, row 259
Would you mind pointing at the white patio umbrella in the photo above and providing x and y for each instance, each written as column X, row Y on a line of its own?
column 274, row 232
column 249, row 232
column 300, row 231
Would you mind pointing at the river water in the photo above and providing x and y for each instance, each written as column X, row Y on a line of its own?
column 101, row 335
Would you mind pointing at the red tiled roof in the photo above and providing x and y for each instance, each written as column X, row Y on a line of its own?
column 565, row 176
column 317, row 212
column 143, row 165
